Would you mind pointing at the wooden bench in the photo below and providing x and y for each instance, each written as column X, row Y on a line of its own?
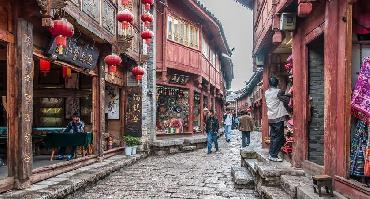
column 320, row 181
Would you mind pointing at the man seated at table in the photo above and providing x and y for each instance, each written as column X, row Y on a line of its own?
column 75, row 126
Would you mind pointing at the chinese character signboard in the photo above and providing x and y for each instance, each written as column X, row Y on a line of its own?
column 179, row 79
column 133, row 113
column 78, row 53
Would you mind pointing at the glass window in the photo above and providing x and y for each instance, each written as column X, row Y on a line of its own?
column 182, row 32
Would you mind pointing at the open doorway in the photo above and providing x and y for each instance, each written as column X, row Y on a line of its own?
column 316, row 93
column 3, row 113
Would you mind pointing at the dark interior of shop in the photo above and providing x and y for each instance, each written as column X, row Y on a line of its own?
column 3, row 116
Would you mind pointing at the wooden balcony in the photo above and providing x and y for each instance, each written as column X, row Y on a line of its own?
column 192, row 61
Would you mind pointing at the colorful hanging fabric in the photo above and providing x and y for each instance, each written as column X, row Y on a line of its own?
column 360, row 104
column 358, row 149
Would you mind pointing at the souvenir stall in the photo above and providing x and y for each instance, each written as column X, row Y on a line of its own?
column 172, row 110
column 360, row 109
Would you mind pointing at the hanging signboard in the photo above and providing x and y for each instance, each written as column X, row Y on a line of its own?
column 78, row 53
column 133, row 114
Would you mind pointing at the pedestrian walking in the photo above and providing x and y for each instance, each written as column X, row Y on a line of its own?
column 212, row 126
column 277, row 114
column 228, row 121
column 246, row 126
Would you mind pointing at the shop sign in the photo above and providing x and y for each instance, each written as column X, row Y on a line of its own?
column 133, row 114
column 179, row 79
column 78, row 53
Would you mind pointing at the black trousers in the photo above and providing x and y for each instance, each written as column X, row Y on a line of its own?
column 277, row 138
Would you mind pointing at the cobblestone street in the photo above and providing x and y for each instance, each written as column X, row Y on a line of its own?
column 185, row 175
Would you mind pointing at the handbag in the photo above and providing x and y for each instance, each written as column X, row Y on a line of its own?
column 360, row 103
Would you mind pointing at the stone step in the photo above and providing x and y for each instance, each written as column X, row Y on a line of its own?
column 242, row 178
column 250, row 164
column 306, row 192
column 290, row 183
column 268, row 174
column 251, row 153
column 272, row 193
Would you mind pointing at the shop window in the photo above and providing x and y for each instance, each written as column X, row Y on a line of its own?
column 172, row 110
column 196, row 113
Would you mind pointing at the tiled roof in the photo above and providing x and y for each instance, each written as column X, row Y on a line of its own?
column 247, row 3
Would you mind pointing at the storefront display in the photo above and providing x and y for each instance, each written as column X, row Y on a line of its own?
column 172, row 110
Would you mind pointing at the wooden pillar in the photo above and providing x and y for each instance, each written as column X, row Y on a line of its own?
column 23, row 87
column 99, row 109
column 191, row 108
column 201, row 110
column 300, row 99
column 344, row 88
column 265, row 125
column 331, row 74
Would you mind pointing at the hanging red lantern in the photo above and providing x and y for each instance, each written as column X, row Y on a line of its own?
column 147, row 18
column 112, row 61
column 147, row 35
column 125, row 2
column 44, row 66
column 147, row 3
column 61, row 30
column 138, row 72
column 67, row 72
column 125, row 17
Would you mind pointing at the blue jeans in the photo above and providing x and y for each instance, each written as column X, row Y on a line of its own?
column 246, row 138
column 211, row 138
column 227, row 132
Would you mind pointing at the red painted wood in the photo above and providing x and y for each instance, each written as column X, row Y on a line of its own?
column 330, row 70
column 265, row 125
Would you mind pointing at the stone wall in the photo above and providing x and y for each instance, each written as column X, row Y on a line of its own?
column 149, row 93
column 316, row 91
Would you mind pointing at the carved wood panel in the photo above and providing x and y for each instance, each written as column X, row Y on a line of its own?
column 92, row 8
column 108, row 16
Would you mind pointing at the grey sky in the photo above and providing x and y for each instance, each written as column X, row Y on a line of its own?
column 237, row 22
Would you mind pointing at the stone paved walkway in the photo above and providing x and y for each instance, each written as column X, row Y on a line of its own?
column 185, row 175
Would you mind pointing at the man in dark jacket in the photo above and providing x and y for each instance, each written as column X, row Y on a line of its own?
column 212, row 127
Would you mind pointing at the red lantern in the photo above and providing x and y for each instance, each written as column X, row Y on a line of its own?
column 61, row 29
column 125, row 17
column 147, row 35
column 112, row 61
column 67, row 72
column 147, row 3
column 44, row 66
column 138, row 72
column 125, row 2
column 147, row 18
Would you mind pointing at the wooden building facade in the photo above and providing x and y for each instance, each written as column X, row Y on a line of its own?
column 36, row 102
column 193, row 66
column 328, row 44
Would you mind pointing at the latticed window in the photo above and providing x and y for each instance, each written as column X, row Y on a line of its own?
column 183, row 32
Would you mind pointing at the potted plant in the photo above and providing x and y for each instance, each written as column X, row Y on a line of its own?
column 136, row 142
column 128, row 145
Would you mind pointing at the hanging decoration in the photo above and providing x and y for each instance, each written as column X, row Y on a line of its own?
column 125, row 2
column 44, row 66
column 112, row 61
column 126, row 18
column 138, row 72
column 147, row 4
column 147, row 35
column 61, row 30
column 147, row 19
column 67, row 72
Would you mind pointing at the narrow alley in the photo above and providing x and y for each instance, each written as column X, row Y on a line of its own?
column 184, row 175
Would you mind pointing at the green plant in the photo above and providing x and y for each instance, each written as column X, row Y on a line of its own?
column 131, row 140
